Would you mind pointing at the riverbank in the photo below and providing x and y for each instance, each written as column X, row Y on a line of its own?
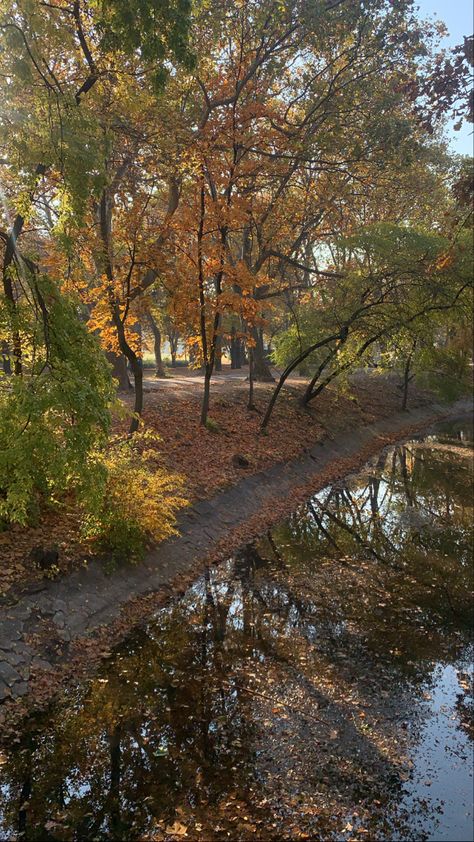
column 207, row 460
column 55, row 630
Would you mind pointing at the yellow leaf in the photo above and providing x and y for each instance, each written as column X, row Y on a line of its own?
column 177, row 829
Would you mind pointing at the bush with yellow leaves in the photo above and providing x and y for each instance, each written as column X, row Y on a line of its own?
column 138, row 503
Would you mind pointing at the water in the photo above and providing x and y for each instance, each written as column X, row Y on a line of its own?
column 314, row 686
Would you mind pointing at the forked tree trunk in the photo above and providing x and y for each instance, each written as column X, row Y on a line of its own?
column 105, row 221
column 286, row 373
column 137, row 370
column 173, row 339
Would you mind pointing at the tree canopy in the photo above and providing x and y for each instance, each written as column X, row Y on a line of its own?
column 222, row 172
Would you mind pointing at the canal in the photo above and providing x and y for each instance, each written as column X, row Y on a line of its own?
column 316, row 685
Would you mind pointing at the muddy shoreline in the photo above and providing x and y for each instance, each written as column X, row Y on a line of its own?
column 56, row 631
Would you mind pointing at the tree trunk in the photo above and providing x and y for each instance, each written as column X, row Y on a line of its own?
column 261, row 369
column 406, row 382
column 119, row 370
column 6, row 360
column 137, row 369
column 235, row 349
column 232, row 348
column 308, row 395
column 209, row 349
column 206, row 394
column 159, row 367
column 12, row 311
column 8, row 261
column 251, row 404
column 239, row 350
column 286, row 373
column 173, row 339
column 105, row 222
column 407, row 378
column 207, row 357
column 218, row 357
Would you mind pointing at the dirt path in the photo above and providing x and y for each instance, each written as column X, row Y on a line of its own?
column 184, row 381
column 184, row 378
column 48, row 628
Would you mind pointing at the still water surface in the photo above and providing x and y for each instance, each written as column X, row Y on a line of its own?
column 317, row 685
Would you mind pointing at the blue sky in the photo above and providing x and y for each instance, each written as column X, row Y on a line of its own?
column 458, row 17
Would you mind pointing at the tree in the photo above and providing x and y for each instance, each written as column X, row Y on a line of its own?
column 395, row 281
column 56, row 156
column 80, row 143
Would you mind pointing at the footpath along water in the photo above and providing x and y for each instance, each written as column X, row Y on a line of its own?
column 316, row 685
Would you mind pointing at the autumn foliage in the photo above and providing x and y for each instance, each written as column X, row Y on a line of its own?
column 223, row 176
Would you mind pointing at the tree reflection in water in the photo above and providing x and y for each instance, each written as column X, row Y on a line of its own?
column 283, row 693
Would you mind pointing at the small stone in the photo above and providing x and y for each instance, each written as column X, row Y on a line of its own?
column 43, row 558
column 240, row 461
column 5, row 691
column 20, row 689
column 12, row 658
column 41, row 664
column 9, row 630
column 8, row 674
column 60, row 605
column 58, row 619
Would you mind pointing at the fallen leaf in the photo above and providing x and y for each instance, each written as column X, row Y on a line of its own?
column 177, row 829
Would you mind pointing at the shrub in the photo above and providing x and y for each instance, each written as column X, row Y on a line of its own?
column 55, row 436
column 137, row 503
column 446, row 372
column 55, row 414
column 212, row 426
